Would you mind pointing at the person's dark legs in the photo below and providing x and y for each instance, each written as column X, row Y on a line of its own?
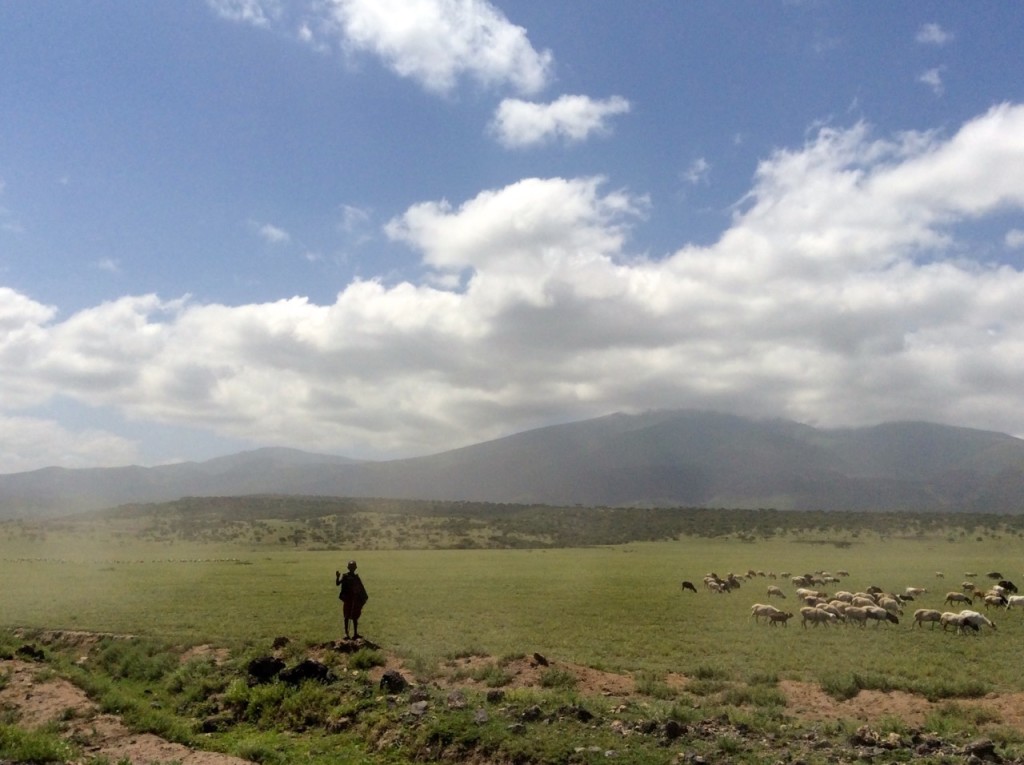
column 346, row 627
column 355, row 629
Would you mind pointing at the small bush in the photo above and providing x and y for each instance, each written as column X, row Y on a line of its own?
column 492, row 675
column 366, row 658
column 38, row 746
column 558, row 678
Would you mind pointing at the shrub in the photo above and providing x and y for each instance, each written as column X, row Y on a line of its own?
column 558, row 678
column 38, row 746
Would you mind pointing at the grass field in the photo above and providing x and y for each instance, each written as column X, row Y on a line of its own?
column 202, row 572
column 617, row 608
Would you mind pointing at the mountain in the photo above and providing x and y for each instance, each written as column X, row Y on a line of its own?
column 659, row 458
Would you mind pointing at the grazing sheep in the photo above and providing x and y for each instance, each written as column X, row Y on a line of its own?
column 992, row 600
column 862, row 601
column 763, row 609
column 948, row 619
column 1014, row 600
column 689, row 586
column 842, row 572
column 891, row 605
column 914, row 592
column 922, row 615
column 957, row 597
column 975, row 619
column 775, row 590
column 857, row 614
column 780, row 618
column 815, row 616
column 843, row 595
column 967, row 586
column 994, row 575
column 880, row 615
column 1007, row 585
column 939, row 575
column 971, row 573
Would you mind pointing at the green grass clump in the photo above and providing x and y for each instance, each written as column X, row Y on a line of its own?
column 37, row 746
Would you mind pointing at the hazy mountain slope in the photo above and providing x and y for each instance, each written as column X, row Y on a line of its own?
column 681, row 458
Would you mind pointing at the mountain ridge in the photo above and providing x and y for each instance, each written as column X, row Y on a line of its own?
column 656, row 458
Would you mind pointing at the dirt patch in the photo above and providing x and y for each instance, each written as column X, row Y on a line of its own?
column 38, row 702
column 806, row 701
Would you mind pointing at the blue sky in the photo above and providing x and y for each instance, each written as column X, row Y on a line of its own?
column 380, row 228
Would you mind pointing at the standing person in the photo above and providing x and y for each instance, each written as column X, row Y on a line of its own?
column 353, row 597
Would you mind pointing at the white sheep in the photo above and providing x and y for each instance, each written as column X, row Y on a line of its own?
column 763, row 609
column 776, row 590
column 914, row 592
column 880, row 615
column 975, row 619
column 1014, row 600
column 891, row 605
column 957, row 597
column 815, row 616
column 922, row 615
column 857, row 614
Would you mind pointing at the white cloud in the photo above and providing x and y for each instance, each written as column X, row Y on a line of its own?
column 520, row 124
column 259, row 13
column 354, row 218
column 110, row 265
column 30, row 443
column 435, row 42
column 839, row 294
column 933, row 79
column 933, row 34
column 697, row 172
column 271, row 234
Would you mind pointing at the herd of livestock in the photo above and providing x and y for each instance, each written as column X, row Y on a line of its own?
column 818, row 607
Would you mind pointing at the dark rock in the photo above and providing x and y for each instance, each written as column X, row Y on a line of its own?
column 392, row 681
column 577, row 712
column 419, row 693
column 30, row 652
column 541, row 660
column 456, row 699
column 280, row 642
column 532, row 714
column 517, row 728
column 216, row 723
column 264, row 669
column 673, row 729
column 308, row 669
column 495, row 696
column 984, row 749
column 480, row 716
column 647, row 727
column 419, row 708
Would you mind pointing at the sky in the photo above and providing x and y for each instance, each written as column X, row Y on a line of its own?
column 388, row 228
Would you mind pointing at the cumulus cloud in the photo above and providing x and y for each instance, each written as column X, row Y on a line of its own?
column 519, row 124
column 933, row 79
column 933, row 34
column 272, row 234
column 259, row 13
column 839, row 294
column 435, row 42
column 30, row 443
column 697, row 172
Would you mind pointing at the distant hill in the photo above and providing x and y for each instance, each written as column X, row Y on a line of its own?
column 660, row 458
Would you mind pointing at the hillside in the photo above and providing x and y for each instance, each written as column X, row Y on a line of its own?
column 661, row 458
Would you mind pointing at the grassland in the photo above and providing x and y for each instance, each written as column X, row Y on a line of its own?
column 616, row 607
